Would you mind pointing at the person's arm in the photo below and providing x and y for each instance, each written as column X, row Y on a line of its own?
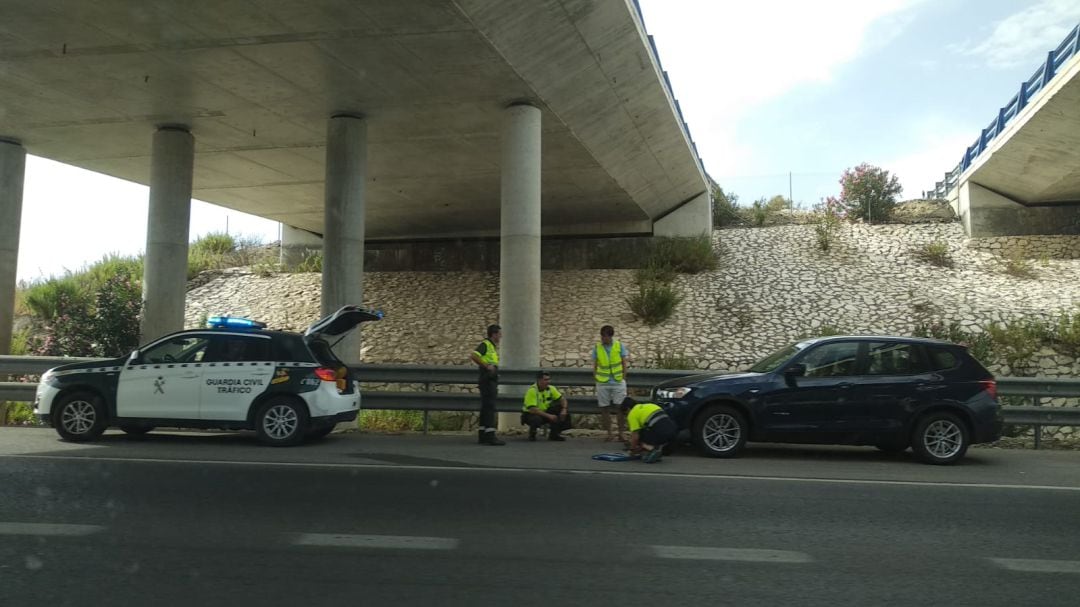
column 635, row 441
column 475, row 358
column 565, row 408
column 624, row 358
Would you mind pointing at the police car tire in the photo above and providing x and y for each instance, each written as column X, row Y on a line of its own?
column 85, row 404
column 283, row 409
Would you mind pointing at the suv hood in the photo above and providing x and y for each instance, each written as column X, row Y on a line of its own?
column 693, row 380
column 341, row 322
column 95, row 363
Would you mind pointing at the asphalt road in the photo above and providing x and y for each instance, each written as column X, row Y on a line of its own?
column 195, row 520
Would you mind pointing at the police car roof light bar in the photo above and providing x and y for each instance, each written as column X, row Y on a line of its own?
column 228, row 322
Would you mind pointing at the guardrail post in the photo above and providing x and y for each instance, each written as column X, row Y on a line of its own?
column 1021, row 101
column 1048, row 72
column 1038, row 427
column 427, row 388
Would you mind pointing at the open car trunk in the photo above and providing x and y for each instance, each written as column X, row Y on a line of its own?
column 325, row 333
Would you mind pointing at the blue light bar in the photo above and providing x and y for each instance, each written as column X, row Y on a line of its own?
column 228, row 322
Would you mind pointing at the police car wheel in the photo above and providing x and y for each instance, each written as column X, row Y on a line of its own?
column 281, row 422
column 80, row 416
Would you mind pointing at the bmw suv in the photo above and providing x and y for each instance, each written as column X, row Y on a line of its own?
column 889, row 392
column 233, row 375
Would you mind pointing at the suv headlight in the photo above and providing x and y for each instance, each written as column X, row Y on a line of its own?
column 672, row 392
column 47, row 376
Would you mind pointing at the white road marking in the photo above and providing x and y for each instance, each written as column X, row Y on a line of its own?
column 483, row 468
column 1038, row 565
column 48, row 529
column 752, row 555
column 385, row 542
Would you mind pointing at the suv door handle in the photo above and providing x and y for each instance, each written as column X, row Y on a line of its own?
column 189, row 375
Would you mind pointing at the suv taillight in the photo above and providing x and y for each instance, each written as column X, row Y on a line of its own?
column 326, row 374
column 990, row 386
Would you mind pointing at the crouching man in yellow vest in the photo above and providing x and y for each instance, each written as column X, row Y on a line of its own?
column 544, row 404
column 650, row 429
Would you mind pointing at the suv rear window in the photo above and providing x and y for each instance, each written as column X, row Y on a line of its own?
column 323, row 354
column 291, row 348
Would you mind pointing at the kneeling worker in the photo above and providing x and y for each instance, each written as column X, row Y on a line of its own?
column 538, row 409
column 650, row 429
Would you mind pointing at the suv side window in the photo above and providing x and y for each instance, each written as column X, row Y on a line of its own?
column 942, row 359
column 835, row 359
column 237, row 348
column 180, row 349
column 895, row 358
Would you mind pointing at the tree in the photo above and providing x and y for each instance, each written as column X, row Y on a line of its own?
column 869, row 192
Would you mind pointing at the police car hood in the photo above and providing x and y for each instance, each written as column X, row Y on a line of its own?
column 341, row 322
column 92, row 363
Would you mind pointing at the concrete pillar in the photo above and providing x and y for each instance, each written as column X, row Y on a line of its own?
column 167, row 225
column 692, row 218
column 343, row 232
column 985, row 212
column 519, row 244
column 12, row 175
column 297, row 245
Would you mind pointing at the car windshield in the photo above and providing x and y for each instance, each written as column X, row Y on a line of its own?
column 773, row 361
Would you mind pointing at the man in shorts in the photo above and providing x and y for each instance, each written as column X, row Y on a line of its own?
column 609, row 368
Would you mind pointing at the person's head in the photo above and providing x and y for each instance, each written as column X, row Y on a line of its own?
column 543, row 380
column 627, row 404
column 494, row 333
column 607, row 333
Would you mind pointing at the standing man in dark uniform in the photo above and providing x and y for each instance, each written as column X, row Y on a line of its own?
column 486, row 357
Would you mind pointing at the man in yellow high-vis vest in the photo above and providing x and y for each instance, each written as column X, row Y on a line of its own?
column 610, row 359
column 486, row 358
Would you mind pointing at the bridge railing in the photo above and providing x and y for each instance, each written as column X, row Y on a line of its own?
column 1029, row 89
column 428, row 376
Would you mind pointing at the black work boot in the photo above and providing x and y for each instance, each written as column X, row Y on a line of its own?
column 493, row 440
column 555, row 435
column 481, row 437
column 532, row 434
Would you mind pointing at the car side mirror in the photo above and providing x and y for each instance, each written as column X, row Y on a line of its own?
column 796, row 370
column 133, row 357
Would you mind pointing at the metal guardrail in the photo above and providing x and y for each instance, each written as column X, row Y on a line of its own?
column 1029, row 89
column 426, row 400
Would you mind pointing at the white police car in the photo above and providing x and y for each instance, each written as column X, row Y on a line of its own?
column 235, row 375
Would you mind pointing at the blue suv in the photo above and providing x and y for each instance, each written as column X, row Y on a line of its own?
column 889, row 392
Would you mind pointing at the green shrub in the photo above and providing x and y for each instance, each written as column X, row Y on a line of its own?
column 662, row 359
column 725, row 207
column 391, row 421
column 115, row 325
column 934, row 253
column 1067, row 334
column 688, row 255
column 654, row 303
column 17, row 414
column 213, row 244
column 758, row 213
column 654, row 274
column 312, row 263
column 1020, row 267
column 46, row 299
column 980, row 345
column 827, row 224
column 869, row 192
column 1015, row 342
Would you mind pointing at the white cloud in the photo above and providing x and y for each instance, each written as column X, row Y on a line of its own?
column 1024, row 37
column 726, row 57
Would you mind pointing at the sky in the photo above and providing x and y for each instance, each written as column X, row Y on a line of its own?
column 769, row 88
